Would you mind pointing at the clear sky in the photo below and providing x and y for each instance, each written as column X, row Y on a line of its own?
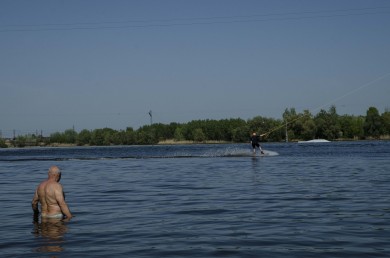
column 99, row 63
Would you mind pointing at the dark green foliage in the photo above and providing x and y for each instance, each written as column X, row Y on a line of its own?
column 199, row 136
column 328, row 124
column 373, row 124
column 386, row 122
column 300, row 126
column 84, row 137
column 2, row 143
column 21, row 141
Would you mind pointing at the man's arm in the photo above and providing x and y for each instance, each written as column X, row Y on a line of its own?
column 34, row 202
column 61, row 202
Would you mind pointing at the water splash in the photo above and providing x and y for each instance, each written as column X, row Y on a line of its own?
column 141, row 152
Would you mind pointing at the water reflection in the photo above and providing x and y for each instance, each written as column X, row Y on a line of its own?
column 255, row 162
column 50, row 234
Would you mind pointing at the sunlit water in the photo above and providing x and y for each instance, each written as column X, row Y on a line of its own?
column 299, row 200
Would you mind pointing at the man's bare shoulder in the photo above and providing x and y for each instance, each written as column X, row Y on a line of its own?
column 54, row 185
column 42, row 185
column 49, row 185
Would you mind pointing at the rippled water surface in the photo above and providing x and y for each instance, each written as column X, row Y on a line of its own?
column 299, row 200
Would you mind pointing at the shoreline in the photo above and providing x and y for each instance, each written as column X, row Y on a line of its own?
column 169, row 142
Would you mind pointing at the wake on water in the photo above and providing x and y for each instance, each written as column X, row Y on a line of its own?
column 238, row 152
column 206, row 153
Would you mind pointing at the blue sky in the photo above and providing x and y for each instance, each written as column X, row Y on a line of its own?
column 98, row 63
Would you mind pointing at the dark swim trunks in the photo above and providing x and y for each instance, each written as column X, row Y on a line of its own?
column 255, row 144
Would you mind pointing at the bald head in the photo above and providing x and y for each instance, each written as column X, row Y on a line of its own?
column 54, row 172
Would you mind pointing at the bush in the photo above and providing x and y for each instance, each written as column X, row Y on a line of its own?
column 2, row 144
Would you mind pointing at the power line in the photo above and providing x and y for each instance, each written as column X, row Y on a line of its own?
column 196, row 21
column 330, row 102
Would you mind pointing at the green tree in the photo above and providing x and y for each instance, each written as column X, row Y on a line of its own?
column 358, row 123
column 70, row 136
column 240, row 134
column 346, row 126
column 170, row 130
column 84, row 137
column 373, row 124
column 327, row 124
column 117, row 138
column 386, row 122
column 199, row 135
column 291, row 117
column 257, row 124
column 308, row 126
column 147, row 135
column 21, row 141
column 351, row 127
column 57, row 137
column 2, row 143
column 97, row 137
column 233, row 127
column 130, row 136
column 178, row 136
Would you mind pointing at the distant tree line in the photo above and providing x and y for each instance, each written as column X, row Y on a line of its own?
column 295, row 126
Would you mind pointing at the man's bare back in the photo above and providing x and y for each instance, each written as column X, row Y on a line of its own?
column 50, row 195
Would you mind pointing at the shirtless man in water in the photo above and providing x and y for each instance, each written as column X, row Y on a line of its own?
column 51, row 196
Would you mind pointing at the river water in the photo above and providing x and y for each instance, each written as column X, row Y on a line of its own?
column 299, row 200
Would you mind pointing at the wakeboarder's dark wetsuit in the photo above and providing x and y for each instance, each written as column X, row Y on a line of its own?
column 255, row 139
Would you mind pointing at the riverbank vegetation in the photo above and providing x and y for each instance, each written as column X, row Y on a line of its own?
column 294, row 126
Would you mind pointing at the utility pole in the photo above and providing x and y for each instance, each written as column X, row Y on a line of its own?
column 151, row 117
